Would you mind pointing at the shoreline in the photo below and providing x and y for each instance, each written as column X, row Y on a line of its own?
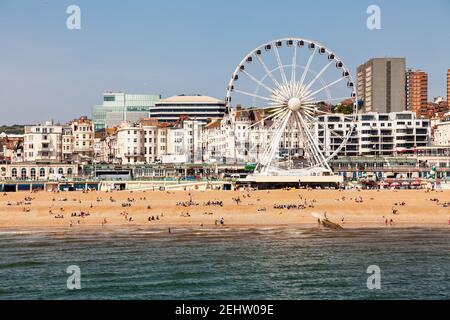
column 165, row 227
column 352, row 209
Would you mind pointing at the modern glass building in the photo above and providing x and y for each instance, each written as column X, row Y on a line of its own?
column 119, row 106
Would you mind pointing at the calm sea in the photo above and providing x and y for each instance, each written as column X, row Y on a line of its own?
column 265, row 263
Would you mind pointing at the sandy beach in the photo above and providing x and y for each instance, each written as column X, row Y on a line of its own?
column 162, row 209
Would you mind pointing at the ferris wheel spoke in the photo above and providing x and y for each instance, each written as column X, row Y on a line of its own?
column 310, row 116
column 336, row 134
column 312, row 109
column 324, row 88
column 331, row 99
column 280, row 64
column 258, row 81
column 312, row 157
column 266, row 69
column 294, row 67
column 276, row 120
column 308, row 65
column 314, row 145
column 306, row 141
column 266, row 118
column 253, row 95
column 274, row 144
column 318, row 76
column 259, row 108
column 273, row 137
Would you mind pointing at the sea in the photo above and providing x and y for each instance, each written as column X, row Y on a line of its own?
column 224, row 263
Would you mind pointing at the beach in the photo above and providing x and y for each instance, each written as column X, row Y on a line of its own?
column 221, row 209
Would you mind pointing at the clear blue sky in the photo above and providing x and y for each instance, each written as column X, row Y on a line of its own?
column 176, row 46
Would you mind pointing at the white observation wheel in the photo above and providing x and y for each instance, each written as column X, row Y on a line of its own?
column 289, row 104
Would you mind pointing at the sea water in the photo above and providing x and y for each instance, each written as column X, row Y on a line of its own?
column 222, row 263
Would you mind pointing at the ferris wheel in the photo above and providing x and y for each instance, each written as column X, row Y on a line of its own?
column 291, row 100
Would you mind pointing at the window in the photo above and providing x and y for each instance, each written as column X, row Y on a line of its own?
column 14, row 172
column 60, row 171
column 69, row 171
column 42, row 173
column 33, row 173
column 23, row 173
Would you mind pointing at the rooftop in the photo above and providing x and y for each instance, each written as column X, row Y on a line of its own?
column 190, row 99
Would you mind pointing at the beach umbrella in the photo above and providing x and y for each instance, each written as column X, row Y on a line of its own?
column 405, row 183
column 415, row 183
column 395, row 184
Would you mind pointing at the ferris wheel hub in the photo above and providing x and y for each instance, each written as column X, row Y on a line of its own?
column 294, row 104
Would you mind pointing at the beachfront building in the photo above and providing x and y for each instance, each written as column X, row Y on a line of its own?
column 150, row 141
column 130, row 143
column 442, row 134
column 70, row 143
column 11, row 147
column 35, row 171
column 120, row 106
column 239, row 138
column 67, row 144
column 105, row 145
column 82, row 139
column 150, row 128
column 186, row 139
column 43, row 142
column 197, row 107
column 384, row 134
column 236, row 139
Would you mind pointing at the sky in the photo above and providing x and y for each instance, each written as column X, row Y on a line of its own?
column 171, row 47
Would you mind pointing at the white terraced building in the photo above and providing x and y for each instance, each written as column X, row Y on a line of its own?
column 236, row 140
column 43, row 142
column 375, row 133
column 442, row 134
column 148, row 142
